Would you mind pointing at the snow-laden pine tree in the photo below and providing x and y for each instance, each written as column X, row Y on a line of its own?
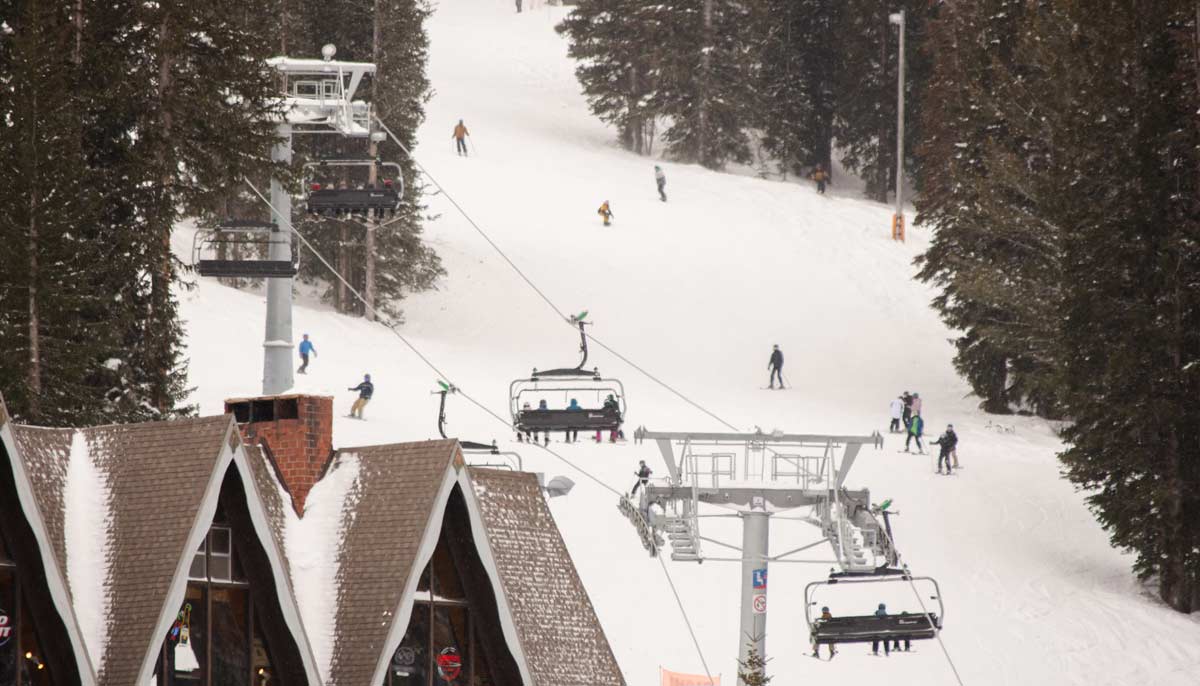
column 753, row 671
column 994, row 263
column 619, row 47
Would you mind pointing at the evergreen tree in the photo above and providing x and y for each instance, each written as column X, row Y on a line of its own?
column 618, row 44
column 995, row 265
column 706, row 83
column 796, row 90
column 865, row 121
column 753, row 671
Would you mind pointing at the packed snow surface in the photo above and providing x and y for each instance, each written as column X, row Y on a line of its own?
column 696, row 290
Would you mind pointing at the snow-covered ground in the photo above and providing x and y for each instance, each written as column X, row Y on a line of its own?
column 696, row 291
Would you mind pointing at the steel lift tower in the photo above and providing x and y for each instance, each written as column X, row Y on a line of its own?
column 318, row 98
column 756, row 476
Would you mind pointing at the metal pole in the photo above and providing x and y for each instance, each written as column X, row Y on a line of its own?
column 755, row 544
column 277, row 345
column 900, row 131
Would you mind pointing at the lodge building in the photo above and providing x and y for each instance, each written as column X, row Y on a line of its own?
column 244, row 549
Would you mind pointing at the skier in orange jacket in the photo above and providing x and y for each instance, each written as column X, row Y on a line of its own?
column 460, row 135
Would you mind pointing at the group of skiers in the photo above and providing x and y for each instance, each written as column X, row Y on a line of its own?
column 906, row 408
column 611, row 404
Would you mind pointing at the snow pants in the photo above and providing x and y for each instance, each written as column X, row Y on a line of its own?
column 462, row 145
column 304, row 364
column 944, row 455
column 662, row 194
column 821, row 187
column 640, row 482
column 356, row 410
column 909, row 440
column 895, row 427
column 777, row 372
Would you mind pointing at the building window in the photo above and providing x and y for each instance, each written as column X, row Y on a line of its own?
column 20, row 651
column 439, row 646
column 216, row 639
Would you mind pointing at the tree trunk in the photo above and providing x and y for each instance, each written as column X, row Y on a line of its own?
column 35, row 355
column 373, row 175
column 161, row 280
column 705, row 77
column 343, row 265
column 77, row 22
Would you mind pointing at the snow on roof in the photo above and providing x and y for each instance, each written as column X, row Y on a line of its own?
column 87, row 532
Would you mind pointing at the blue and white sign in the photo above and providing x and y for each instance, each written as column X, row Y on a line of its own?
column 760, row 579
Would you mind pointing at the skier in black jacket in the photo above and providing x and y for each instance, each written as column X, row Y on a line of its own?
column 776, row 366
column 643, row 474
column 946, row 442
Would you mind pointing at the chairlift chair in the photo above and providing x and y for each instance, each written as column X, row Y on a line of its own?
column 910, row 626
column 378, row 201
column 467, row 446
column 562, row 385
column 236, row 235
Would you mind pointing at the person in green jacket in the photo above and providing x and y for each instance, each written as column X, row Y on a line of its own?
column 916, row 428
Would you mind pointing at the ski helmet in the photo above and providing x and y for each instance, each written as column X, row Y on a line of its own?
column 367, row 377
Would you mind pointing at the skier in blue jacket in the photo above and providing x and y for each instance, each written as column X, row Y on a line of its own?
column 306, row 349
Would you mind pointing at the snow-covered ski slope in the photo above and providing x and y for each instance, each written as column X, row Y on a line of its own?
column 696, row 291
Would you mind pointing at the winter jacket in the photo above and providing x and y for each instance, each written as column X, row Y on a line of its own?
column 916, row 427
column 574, row 406
column 897, row 408
column 660, row 177
column 820, row 175
column 365, row 390
column 907, row 398
column 542, row 405
column 881, row 612
column 948, row 441
column 460, row 131
column 776, row 360
column 604, row 211
column 916, row 405
column 306, row 347
column 644, row 472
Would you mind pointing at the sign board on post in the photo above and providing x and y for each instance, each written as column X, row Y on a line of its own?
column 760, row 603
column 760, row 579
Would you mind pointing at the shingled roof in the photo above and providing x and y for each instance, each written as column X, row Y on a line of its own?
column 159, row 482
column 560, row 634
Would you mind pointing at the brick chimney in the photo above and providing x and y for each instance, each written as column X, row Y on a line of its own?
column 298, row 433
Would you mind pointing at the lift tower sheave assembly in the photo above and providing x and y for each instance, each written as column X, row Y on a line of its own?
column 318, row 97
column 758, row 475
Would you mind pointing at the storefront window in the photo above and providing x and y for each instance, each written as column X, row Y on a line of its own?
column 8, row 624
column 215, row 640
column 439, row 646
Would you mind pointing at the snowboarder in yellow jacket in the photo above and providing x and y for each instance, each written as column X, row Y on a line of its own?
column 605, row 212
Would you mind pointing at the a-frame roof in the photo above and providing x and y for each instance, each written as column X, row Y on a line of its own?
column 560, row 634
column 137, row 498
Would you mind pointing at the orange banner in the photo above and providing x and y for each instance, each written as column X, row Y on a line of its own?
column 670, row 678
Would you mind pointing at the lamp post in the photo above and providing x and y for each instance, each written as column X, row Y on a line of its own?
column 898, row 218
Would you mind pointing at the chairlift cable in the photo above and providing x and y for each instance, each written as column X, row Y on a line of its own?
column 391, row 327
column 937, row 631
column 568, row 320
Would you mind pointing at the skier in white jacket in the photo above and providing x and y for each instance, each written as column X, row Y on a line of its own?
column 897, row 409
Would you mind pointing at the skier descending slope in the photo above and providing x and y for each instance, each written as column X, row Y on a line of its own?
column 460, row 136
column 365, row 390
column 306, row 349
column 661, row 179
column 776, row 367
column 606, row 212
column 946, row 443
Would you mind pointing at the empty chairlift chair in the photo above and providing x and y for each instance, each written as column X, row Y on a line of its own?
column 243, row 248
column 911, row 625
